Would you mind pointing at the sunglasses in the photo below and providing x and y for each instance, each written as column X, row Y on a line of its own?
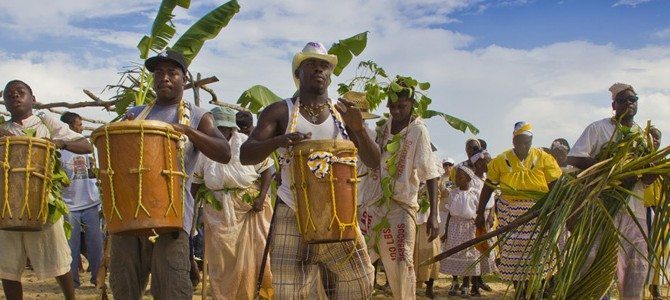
column 631, row 99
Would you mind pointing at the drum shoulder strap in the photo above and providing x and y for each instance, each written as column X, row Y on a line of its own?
column 145, row 112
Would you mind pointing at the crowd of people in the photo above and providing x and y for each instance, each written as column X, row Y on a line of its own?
column 411, row 203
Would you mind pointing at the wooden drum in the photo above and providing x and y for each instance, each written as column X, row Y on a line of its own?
column 324, row 190
column 141, row 176
column 25, row 182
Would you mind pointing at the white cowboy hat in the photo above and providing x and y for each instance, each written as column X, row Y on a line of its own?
column 311, row 50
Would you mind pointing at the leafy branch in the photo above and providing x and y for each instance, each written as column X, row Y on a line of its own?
column 379, row 86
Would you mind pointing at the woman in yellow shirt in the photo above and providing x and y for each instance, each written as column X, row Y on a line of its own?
column 523, row 174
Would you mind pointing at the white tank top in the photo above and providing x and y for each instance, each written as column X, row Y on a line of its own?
column 326, row 130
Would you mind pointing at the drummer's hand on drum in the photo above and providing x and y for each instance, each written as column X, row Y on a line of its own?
column 4, row 133
column 432, row 227
column 293, row 138
column 350, row 114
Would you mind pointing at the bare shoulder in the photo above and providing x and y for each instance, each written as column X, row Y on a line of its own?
column 274, row 111
column 272, row 121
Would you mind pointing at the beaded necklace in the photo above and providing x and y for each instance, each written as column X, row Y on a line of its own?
column 285, row 158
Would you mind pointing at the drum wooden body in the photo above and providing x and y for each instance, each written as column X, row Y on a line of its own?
column 25, row 182
column 326, row 207
column 141, row 177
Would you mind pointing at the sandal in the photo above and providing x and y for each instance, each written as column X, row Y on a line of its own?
column 453, row 290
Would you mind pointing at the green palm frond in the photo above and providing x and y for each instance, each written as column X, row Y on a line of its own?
column 596, row 199
column 162, row 30
column 207, row 28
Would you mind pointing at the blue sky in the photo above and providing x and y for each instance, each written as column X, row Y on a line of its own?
column 490, row 62
column 540, row 23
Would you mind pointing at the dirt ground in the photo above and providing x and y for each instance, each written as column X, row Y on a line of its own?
column 48, row 289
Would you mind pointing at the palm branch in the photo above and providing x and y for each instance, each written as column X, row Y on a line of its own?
column 207, row 28
column 591, row 202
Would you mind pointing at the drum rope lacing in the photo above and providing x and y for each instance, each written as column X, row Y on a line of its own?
column 110, row 175
column 29, row 170
column 46, row 181
column 140, row 172
column 341, row 225
column 25, row 205
column 6, row 166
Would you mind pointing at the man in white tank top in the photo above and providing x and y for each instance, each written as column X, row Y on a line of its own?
column 295, row 264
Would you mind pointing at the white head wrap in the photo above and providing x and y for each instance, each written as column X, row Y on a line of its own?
column 478, row 156
column 620, row 87
column 524, row 128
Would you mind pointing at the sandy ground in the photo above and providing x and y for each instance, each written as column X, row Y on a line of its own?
column 48, row 289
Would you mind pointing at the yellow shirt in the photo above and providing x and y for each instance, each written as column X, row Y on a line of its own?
column 652, row 194
column 517, row 178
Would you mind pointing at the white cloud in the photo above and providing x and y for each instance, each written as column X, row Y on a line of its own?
column 632, row 3
column 663, row 34
column 559, row 87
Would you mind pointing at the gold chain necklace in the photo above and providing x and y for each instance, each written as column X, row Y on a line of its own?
column 313, row 111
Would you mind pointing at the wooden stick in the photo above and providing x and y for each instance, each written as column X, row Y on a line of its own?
column 196, row 89
column 92, row 96
column 199, row 83
column 105, row 104
column 205, row 270
column 229, row 105
column 211, row 93
column 266, row 251
column 509, row 227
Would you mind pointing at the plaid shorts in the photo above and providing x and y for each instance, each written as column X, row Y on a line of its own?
column 307, row 271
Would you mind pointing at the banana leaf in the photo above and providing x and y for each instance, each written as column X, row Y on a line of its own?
column 346, row 49
column 456, row 123
column 207, row 28
column 162, row 30
column 257, row 97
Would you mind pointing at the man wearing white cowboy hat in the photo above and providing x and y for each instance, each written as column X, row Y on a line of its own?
column 236, row 231
column 295, row 264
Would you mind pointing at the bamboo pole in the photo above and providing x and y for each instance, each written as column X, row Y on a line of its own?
column 205, row 271
column 229, row 105
column 509, row 227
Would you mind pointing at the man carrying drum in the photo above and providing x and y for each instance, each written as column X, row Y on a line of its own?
column 47, row 249
column 134, row 257
column 311, row 115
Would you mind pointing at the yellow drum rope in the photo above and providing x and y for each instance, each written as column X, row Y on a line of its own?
column 110, row 175
column 46, row 180
column 26, row 206
column 6, row 166
column 140, row 170
column 294, row 193
column 182, row 168
column 170, row 175
column 309, row 220
column 336, row 216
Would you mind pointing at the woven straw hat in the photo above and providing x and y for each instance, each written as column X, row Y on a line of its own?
column 360, row 102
